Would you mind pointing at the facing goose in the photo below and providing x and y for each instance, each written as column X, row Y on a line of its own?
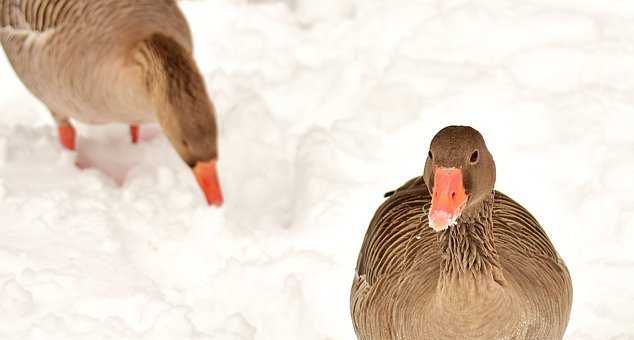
column 115, row 61
column 447, row 257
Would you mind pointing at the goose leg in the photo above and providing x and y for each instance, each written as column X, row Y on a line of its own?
column 66, row 132
column 134, row 133
column 67, row 136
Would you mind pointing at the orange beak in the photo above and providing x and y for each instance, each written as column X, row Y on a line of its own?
column 448, row 198
column 207, row 177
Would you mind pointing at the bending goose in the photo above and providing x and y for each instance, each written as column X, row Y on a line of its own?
column 447, row 257
column 115, row 61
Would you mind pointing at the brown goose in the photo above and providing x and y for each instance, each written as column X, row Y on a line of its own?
column 447, row 257
column 115, row 61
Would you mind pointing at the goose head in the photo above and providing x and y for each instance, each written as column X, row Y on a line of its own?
column 459, row 173
column 191, row 129
column 184, row 110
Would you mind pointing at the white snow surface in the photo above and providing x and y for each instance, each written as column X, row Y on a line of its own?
column 322, row 106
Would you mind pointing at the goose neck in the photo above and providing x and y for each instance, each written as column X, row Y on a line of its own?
column 468, row 254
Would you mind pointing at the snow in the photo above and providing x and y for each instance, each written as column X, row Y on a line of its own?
column 323, row 106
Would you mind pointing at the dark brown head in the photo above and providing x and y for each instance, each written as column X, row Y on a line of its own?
column 459, row 172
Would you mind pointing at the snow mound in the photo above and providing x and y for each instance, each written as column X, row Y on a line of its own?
column 322, row 106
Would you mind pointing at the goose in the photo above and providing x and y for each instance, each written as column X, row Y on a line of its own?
column 448, row 257
column 115, row 61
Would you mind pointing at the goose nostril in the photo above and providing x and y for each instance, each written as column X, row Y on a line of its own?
column 453, row 195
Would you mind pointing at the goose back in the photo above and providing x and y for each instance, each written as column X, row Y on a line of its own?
column 77, row 56
column 116, row 21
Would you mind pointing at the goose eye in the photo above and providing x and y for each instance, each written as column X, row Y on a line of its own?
column 475, row 157
column 431, row 157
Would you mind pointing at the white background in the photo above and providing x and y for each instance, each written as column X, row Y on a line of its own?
column 323, row 106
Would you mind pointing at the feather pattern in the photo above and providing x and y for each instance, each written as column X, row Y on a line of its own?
column 12, row 16
column 406, row 286
column 76, row 55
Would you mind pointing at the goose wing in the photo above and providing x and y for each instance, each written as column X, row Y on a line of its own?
column 394, row 254
column 387, row 244
column 20, row 29
column 530, row 259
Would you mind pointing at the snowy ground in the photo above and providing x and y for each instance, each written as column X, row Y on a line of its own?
column 323, row 106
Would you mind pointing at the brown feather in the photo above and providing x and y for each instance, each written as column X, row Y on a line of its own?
column 113, row 61
column 494, row 275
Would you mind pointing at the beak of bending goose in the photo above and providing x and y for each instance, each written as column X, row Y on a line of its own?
column 459, row 173
column 206, row 175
